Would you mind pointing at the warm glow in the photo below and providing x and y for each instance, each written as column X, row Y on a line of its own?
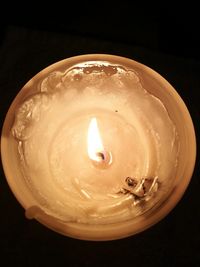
column 95, row 146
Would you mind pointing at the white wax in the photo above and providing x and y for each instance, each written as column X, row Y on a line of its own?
column 51, row 129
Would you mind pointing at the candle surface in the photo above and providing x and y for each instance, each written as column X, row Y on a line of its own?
column 94, row 145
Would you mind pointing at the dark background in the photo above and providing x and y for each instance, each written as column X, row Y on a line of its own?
column 166, row 38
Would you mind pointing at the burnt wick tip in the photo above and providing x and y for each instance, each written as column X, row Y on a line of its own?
column 101, row 155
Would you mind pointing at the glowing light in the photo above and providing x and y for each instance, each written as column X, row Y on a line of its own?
column 94, row 142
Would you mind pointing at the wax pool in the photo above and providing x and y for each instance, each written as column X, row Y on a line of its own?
column 136, row 138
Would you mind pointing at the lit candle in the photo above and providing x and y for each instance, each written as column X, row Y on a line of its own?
column 96, row 152
column 95, row 147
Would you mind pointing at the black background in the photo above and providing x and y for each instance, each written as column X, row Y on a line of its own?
column 166, row 38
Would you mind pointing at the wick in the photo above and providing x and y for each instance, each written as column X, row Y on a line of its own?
column 100, row 155
column 103, row 160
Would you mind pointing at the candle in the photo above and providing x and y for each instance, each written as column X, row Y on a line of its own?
column 95, row 146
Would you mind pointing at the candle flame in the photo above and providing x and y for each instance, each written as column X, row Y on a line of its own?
column 95, row 146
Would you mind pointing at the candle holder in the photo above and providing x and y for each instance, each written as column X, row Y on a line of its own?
column 98, row 147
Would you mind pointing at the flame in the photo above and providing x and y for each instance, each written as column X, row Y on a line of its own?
column 94, row 142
